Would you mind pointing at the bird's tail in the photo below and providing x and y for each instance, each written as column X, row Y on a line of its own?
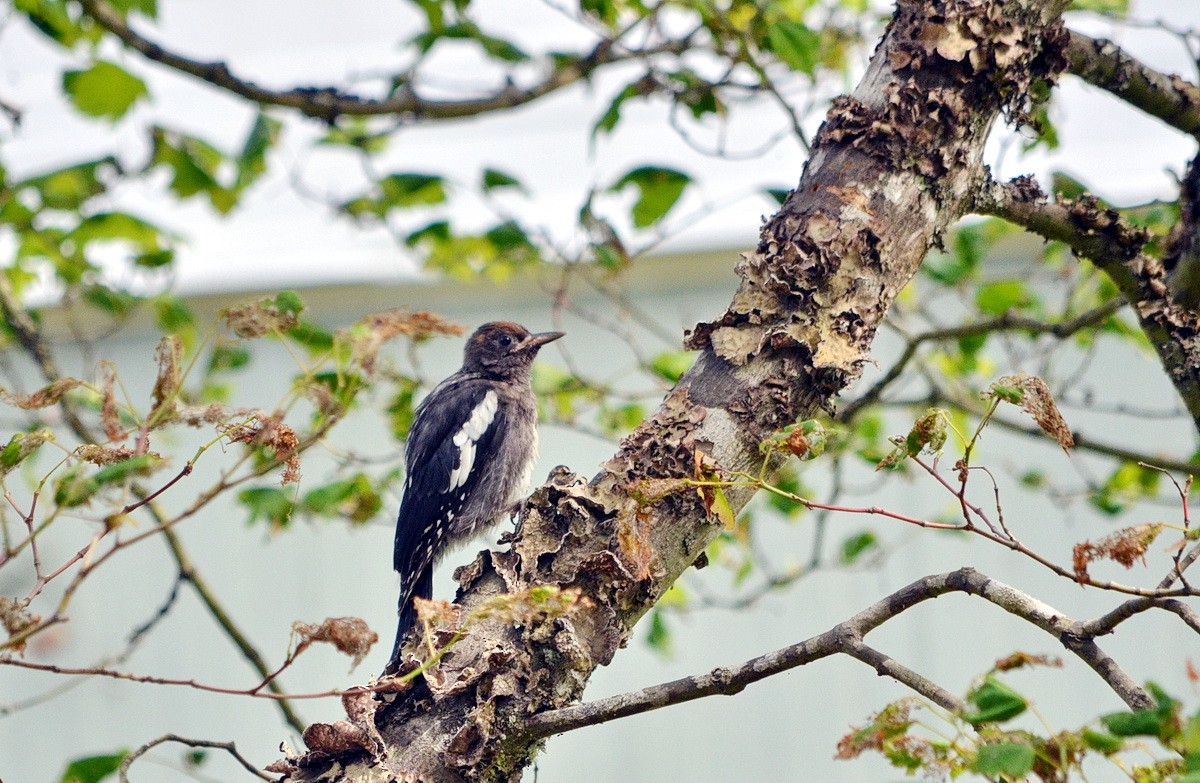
column 421, row 587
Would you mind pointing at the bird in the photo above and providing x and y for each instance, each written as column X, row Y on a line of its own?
column 468, row 458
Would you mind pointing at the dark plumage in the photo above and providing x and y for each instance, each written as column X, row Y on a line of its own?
column 469, row 457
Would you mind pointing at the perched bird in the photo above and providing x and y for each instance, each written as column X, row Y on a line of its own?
column 469, row 456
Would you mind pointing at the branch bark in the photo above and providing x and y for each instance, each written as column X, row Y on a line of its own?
column 847, row 638
column 1170, row 98
column 893, row 165
column 1118, row 248
column 329, row 102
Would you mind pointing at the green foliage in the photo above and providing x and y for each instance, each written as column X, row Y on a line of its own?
column 658, row 191
column 1009, row 756
column 92, row 769
column 995, row 702
column 1007, row 760
column 270, row 504
column 404, row 190
column 927, row 435
column 495, row 180
column 671, row 365
column 1126, row 485
column 105, row 90
column 658, row 638
column 200, row 169
column 795, row 44
column 854, row 547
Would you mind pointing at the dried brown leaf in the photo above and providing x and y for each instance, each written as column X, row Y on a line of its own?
column 1020, row 660
column 1035, row 400
column 254, row 319
column 169, row 356
column 16, row 619
column 368, row 335
column 110, row 415
column 44, row 397
column 350, row 635
column 1126, row 546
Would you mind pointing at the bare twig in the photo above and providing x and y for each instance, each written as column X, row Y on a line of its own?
column 228, row 747
column 1008, row 322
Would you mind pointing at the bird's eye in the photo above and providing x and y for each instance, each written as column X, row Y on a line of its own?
column 504, row 340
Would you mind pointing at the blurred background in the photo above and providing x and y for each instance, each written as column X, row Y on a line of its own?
column 780, row 576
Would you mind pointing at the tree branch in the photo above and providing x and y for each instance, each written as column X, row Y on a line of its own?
column 1171, row 99
column 846, row 638
column 329, row 103
column 893, row 165
column 1116, row 247
column 228, row 747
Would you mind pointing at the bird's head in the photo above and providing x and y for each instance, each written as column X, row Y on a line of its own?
column 504, row 349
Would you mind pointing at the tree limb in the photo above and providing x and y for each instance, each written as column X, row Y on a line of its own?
column 329, row 103
column 1116, row 247
column 892, row 167
column 846, row 638
column 1170, row 98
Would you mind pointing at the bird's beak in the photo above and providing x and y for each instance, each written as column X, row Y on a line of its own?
column 536, row 341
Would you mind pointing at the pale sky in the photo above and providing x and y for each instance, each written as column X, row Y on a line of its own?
column 279, row 237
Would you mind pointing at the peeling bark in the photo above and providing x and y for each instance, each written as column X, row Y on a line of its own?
column 893, row 165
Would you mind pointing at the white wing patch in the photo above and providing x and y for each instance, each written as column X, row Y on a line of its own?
column 468, row 435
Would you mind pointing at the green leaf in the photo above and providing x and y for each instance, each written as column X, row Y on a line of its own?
column 315, row 339
column 353, row 498
column 1118, row 8
column 795, row 44
column 1102, row 741
column 288, row 302
column 174, row 316
column 51, row 18
column 658, row 191
column 68, row 188
column 856, row 546
column 104, row 90
column 117, row 226
column 1000, row 296
column 118, row 304
column 92, row 769
column 1008, row 759
column 268, row 503
column 252, row 161
column 995, row 701
column 20, row 447
column 147, row 8
column 612, row 115
column 779, row 195
column 401, row 409
column 659, row 637
column 493, row 179
column 227, row 357
column 672, row 365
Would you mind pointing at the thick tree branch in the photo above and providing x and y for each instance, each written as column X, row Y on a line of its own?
column 1103, row 236
column 330, row 102
column 846, row 638
column 892, row 167
column 1170, row 98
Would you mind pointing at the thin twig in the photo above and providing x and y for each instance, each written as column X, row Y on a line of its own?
column 228, row 747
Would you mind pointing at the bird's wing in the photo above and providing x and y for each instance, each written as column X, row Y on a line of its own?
column 454, row 428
